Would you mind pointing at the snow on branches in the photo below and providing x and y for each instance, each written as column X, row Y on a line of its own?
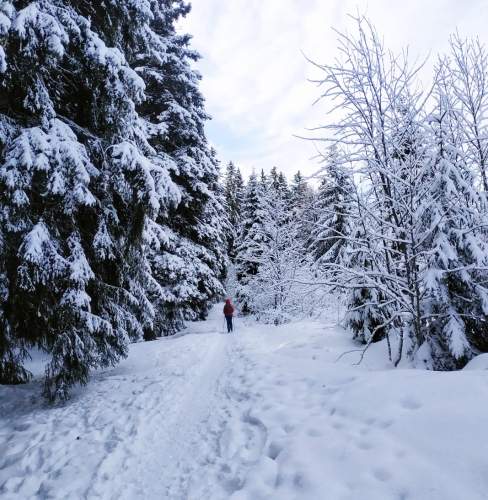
column 110, row 212
column 413, row 259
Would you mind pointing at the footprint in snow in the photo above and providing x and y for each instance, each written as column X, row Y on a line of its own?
column 410, row 404
column 364, row 445
column 21, row 427
column 288, row 428
column 314, row 433
column 384, row 424
column 382, row 474
column 274, row 450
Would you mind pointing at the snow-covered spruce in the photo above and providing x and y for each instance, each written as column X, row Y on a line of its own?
column 234, row 196
column 333, row 205
column 96, row 181
column 187, row 246
column 249, row 239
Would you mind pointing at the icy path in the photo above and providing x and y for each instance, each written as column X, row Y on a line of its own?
column 266, row 413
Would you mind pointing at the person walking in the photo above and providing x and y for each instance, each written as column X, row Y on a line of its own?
column 228, row 313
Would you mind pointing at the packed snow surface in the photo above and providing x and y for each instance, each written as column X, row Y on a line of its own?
column 267, row 412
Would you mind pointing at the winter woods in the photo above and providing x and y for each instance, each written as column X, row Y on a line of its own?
column 110, row 209
column 412, row 263
column 114, row 226
column 397, row 225
column 270, row 253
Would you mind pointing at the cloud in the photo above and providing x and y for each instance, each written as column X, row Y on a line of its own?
column 255, row 73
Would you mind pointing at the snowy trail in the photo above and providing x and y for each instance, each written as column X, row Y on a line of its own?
column 264, row 414
column 135, row 432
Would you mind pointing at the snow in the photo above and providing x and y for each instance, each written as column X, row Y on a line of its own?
column 34, row 244
column 269, row 412
column 40, row 27
column 480, row 362
column 3, row 59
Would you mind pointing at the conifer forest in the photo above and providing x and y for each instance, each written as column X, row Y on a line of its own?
column 358, row 278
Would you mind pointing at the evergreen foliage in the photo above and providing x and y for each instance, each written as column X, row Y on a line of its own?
column 234, row 192
column 111, row 216
column 333, row 206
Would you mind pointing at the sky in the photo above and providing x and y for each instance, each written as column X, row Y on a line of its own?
column 256, row 76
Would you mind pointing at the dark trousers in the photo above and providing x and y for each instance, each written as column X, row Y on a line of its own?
column 229, row 323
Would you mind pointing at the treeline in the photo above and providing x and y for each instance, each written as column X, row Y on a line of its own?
column 111, row 220
column 398, row 228
column 271, row 227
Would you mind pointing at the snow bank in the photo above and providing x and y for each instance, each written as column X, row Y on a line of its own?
column 478, row 363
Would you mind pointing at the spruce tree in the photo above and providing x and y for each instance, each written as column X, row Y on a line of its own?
column 233, row 191
column 186, row 240
column 333, row 205
column 367, row 311
column 299, row 191
column 455, row 273
column 250, row 239
column 76, row 189
column 239, row 187
column 111, row 214
column 273, row 181
column 282, row 188
column 263, row 182
column 229, row 188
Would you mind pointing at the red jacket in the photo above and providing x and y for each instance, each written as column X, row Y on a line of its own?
column 228, row 309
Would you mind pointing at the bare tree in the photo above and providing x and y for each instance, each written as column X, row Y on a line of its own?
column 398, row 151
column 468, row 72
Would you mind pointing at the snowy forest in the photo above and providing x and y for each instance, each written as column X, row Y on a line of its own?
column 355, row 283
column 116, row 227
column 397, row 228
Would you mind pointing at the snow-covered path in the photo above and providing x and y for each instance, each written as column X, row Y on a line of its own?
column 137, row 431
column 266, row 413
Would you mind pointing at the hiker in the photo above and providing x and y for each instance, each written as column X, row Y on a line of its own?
column 228, row 313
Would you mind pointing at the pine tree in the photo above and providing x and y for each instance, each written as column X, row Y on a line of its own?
column 282, row 188
column 186, row 240
column 239, row 187
column 333, row 206
column 273, row 178
column 367, row 311
column 250, row 240
column 111, row 215
column 233, row 192
column 456, row 298
column 263, row 182
column 299, row 191
column 76, row 188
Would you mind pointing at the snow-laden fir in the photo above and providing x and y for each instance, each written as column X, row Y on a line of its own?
column 112, row 226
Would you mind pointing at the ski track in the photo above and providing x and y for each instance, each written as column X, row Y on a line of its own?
column 262, row 414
